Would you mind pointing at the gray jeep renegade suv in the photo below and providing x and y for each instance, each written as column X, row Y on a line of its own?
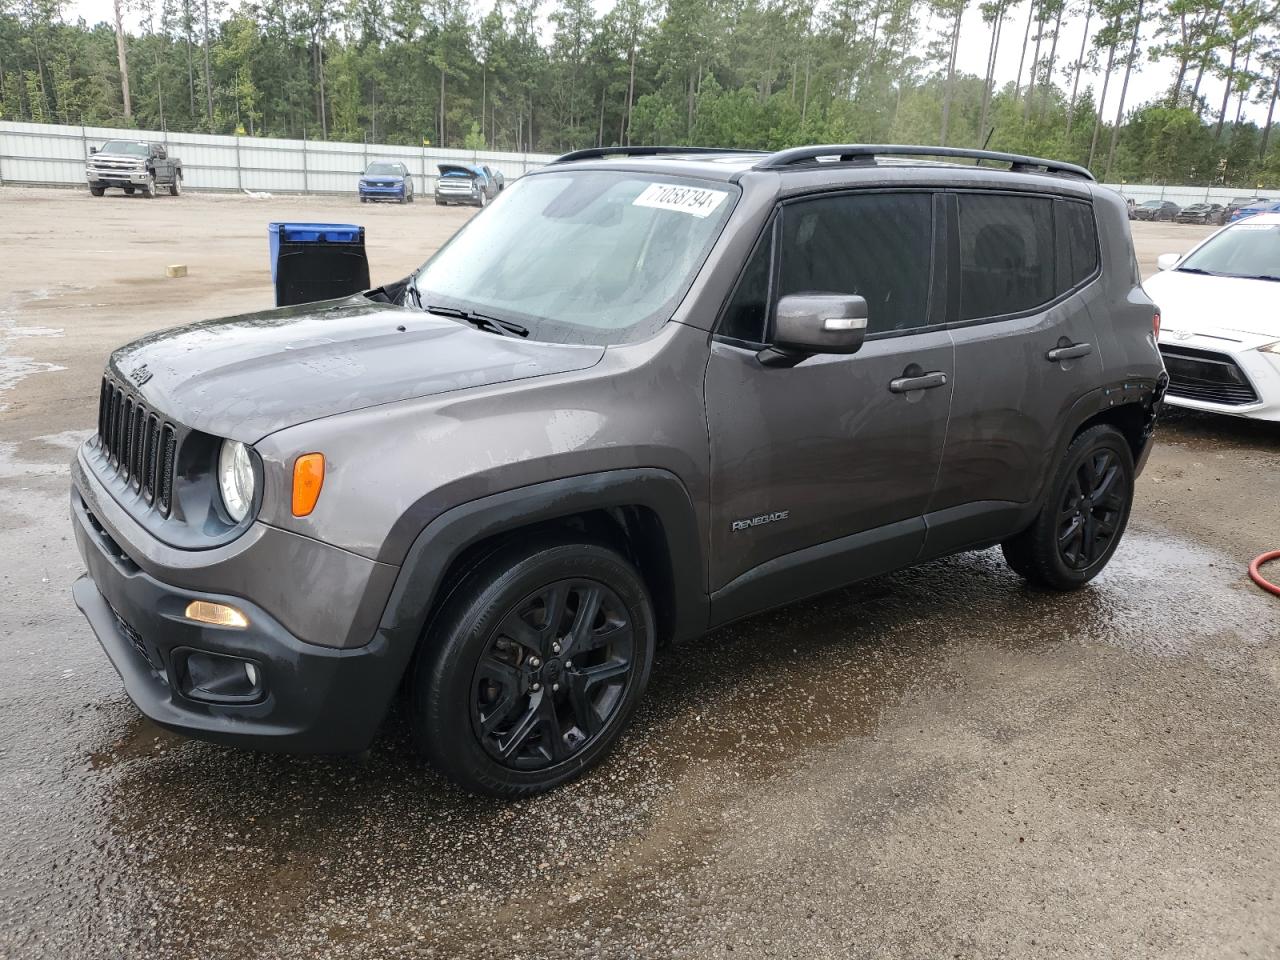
column 645, row 393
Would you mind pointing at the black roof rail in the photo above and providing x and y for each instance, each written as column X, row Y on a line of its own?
column 867, row 153
column 596, row 153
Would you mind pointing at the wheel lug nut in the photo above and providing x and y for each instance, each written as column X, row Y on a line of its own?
column 555, row 648
column 535, row 662
column 568, row 664
column 536, row 687
column 555, row 687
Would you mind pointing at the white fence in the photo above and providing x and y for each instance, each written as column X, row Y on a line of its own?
column 1183, row 196
column 39, row 153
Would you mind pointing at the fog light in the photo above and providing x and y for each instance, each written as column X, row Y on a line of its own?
column 218, row 614
column 215, row 678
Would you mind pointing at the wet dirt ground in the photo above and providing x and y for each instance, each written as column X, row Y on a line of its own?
column 940, row 763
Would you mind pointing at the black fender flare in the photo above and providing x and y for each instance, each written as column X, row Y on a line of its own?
column 1144, row 392
column 442, row 541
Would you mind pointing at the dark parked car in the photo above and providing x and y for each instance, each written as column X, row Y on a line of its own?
column 661, row 392
column 473, row 185
column 1202, row 213
column 1155, row 210
column 386, row 180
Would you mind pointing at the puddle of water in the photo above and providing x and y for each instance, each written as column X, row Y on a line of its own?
column 14, row 369
column 267, row 840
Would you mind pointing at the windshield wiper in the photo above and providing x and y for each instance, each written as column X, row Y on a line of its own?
column 1256, row 276
column 504, row 328
column 1207, row 273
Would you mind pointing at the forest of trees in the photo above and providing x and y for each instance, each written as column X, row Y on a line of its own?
column 551, row 75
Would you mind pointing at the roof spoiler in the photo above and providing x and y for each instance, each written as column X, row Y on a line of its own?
column 863, row 153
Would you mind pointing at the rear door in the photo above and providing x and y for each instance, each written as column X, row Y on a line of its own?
column 1025, row 353
column 833, row 447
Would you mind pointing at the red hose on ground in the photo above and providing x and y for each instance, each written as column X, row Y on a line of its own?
column 1255, row 571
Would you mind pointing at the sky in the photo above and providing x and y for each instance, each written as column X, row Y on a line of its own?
column 1150, row 80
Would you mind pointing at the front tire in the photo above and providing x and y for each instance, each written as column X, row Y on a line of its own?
column 1084, row 516
column 534, row 668
column 96, row 189
column 175, row 188
column 149, row 188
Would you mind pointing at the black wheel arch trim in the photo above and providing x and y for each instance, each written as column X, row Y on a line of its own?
column 1143, row 392
column 443, row 540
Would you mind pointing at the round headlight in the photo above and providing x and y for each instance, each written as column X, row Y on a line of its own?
column 235, row 479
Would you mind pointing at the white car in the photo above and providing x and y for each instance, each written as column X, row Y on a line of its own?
column 1220, row 320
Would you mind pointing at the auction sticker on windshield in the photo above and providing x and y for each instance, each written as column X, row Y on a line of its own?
column 698, row 201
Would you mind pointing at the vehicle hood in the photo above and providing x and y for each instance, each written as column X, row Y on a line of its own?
column 247, row 376
column 370, row 177
column 1195, row 303
column 453, row 170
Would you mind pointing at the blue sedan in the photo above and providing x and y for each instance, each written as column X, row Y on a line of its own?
column 386, row 180
column 1262, row 206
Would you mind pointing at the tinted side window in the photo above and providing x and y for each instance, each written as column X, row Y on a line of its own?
column 876, row 246
column 1006, row 254
column 1080, row 234
column 747, row 312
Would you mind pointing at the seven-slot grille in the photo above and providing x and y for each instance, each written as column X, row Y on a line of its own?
column 1206, row 375
column 138, row 444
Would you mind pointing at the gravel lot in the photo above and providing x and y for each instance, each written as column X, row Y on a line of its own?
column 937, row 763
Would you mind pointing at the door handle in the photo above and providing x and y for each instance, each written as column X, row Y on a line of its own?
column 925, row 381
column 1070, row 351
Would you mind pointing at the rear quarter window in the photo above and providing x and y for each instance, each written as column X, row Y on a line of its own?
column 1078, row 233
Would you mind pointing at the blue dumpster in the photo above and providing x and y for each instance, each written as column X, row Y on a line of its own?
column 316, row 261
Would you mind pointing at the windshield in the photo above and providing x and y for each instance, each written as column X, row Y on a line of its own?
column 125, row 146
column 377, row 169
column 581, row 256
column 1244, row 250
column 1152, row 203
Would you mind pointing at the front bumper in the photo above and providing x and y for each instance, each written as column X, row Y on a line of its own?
column 458, row 196
column 1257, row 370
column 309, row 698
column 383, row 193
column 117, row 177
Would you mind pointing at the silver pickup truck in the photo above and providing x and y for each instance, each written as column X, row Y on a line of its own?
column 133, row 165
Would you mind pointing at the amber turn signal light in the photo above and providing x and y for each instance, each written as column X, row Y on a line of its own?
column 218, row 614
column 308, row 478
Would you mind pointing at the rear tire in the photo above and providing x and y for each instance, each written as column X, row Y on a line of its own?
column 1084, row 515
column 534, row 667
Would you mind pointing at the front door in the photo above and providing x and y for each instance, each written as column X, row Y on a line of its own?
column 805, row 458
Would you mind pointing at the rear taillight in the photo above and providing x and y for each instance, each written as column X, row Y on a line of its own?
column 1155, row 324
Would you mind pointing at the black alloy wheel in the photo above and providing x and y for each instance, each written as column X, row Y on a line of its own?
column 1092, row 509
column 1083, row 515
column 553, row 674
column 530, row 671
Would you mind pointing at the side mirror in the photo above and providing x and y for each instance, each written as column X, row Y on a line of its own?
column 1167, row 261
column 809, row 323
column 93, row 150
